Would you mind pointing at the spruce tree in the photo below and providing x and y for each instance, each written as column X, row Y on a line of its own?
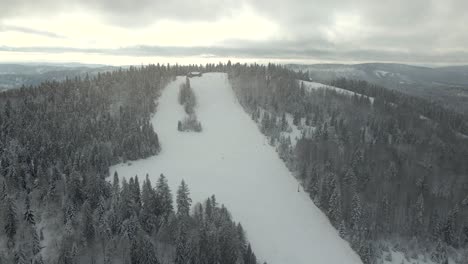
column 182, row 254
column 29, row 213
column 10, row 221
column 148, row 252
column 356, row 212
column 334, row 206
column 115, row 185
column 164, row 198
column 20, row 256
column 342, row 230
column 35, row 243
column 87, row 221
column 183, row 200
column 149, row 203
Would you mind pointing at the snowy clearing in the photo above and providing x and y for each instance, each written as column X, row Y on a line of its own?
column 232, row 160
column 315, row 86
column 397, row 257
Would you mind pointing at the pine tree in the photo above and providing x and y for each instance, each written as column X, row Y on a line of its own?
column 88, row 222
column 148, row 252
column 334, row 206
column 183, row 200
column 284, row 122
column 29, row 213
column 342, row 230
column 35, row 243
column 148, row 215
column 182, row 254
column 116, row 185
column 356, row 213
column 449, row 231
column 420, row 212
column 11, row 221
column 75, row 188
column 3, row 192
column 164, row 198
column 20, row 256
column 439, row 255
column 249, row 257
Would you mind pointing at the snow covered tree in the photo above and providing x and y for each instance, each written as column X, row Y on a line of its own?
column 449, row 232
column 75, row 188
column 356, row 213
column 87, row 221
column 148, row 215
column 148, row 252
column 116, row 185
column 20, row 256
column 164, row 198
column 334, row 206
column 143, row 252
column 182, row 254
column 439, row 255
column 183, row 200
column 135, row 192
column 342, row 230
column 420, row 212
column 249, row 257
column 10, row 221
column 29, row 213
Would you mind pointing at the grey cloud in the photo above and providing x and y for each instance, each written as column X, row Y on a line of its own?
column 401, row 30
column 266, row 51
column 30, row 31
column 127, row 13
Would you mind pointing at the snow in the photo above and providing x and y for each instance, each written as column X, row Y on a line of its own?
column 398, row 257
column 231, row 159
column 461, row 135
column 423, row 117
column 294, row 132
column 381, row 73
column 309, row 86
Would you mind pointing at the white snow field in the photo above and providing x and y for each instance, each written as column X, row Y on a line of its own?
column 309, row 86
column 231, row 159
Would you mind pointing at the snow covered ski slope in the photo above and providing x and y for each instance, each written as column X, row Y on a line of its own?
column 231, row 159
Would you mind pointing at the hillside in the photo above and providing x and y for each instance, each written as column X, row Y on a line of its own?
column 233, row 160
column 17, row 75
column 445, row 85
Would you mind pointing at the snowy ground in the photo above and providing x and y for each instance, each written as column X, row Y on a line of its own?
column 232, row 160
column 398, row 257
column 315, row 86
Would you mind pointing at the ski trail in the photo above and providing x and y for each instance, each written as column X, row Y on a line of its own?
column 230, row 159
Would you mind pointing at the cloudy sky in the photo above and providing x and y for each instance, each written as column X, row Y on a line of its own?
column 188, row 31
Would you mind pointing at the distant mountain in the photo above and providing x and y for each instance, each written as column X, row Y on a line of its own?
column 16, row 75
column 446, row 85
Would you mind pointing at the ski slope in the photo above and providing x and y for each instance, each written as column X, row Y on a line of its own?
column 309, row 86
column 231, row 159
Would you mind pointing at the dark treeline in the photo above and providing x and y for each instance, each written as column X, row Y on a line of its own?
column 396, row 167
column 57, row 142
column 188, row 100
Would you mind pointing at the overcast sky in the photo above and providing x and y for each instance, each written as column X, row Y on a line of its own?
column 187, row 31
